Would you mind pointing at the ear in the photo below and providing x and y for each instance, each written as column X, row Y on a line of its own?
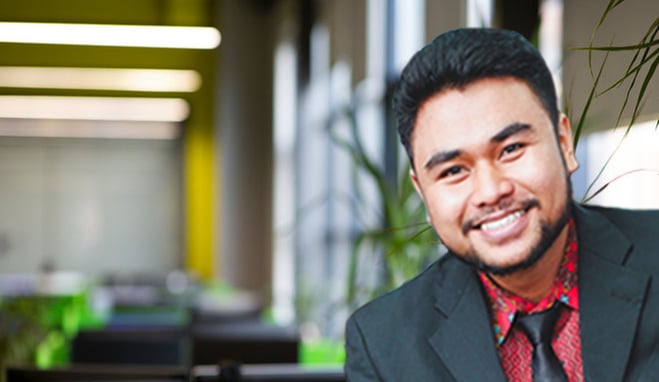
column 417, row 187
column 415, row 182
column 566, row 144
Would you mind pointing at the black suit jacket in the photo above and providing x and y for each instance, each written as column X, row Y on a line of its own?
column 436, row 327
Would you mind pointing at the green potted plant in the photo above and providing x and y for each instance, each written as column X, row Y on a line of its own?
column 401, row 243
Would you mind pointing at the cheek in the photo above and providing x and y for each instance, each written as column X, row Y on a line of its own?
column 542, row 177
column 446, row 207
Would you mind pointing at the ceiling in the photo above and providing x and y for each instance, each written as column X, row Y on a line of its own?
column 133, row 12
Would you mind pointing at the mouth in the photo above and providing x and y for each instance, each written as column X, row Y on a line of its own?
column 498, row 220
column 504, row 221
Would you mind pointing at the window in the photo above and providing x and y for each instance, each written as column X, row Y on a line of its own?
column 632, row 174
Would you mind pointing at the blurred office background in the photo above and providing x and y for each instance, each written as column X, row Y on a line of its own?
column 206, row 158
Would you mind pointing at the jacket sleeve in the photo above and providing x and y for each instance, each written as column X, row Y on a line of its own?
column 359, row 366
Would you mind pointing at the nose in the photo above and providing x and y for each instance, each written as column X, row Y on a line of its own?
column 490, row 185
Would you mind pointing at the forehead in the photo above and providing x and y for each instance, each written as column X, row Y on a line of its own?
column 454, row 118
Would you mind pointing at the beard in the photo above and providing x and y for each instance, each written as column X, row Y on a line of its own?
column 549, row 232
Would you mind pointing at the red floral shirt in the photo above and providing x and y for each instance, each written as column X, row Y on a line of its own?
column 514, row 348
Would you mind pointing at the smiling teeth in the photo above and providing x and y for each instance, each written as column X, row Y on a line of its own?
column 502, row 222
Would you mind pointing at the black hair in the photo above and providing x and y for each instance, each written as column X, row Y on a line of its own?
column 461, row 57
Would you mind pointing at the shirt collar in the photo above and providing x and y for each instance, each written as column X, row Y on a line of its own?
column 505, row 305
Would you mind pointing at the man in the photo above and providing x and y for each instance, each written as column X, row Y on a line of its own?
column 491, row 158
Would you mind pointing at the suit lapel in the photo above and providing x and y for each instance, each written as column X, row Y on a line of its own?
column 464, row 340
column 610, row 297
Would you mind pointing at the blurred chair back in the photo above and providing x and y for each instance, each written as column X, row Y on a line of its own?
column 244, row 342
column 132, row 346
column 266, row 373
column 97, row 373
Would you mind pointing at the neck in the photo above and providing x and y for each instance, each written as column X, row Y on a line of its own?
column 534, row 283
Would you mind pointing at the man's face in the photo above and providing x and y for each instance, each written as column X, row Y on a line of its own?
column 489, row 169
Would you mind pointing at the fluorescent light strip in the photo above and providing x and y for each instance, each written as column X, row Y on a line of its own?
column 52, row 128
column 151, row 80
column 151, row 36
column 94, row 108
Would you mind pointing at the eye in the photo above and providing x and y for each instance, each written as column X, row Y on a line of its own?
column 451, row 171
column 510, row 149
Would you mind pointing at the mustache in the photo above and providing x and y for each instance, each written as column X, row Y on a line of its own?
column 504, row 205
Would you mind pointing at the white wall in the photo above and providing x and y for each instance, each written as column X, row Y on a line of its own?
column 89, row 205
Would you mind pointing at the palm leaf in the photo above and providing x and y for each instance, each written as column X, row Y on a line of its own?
column 645, row 55
column 607, row 184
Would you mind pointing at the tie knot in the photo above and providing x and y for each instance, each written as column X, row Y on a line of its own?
column 539, row 327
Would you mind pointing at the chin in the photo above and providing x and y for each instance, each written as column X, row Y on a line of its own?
column 525, row 262
column 527, row 258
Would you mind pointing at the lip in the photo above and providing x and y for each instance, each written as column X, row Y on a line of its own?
column 504, row 225
column 502, row 222
column 494, row 216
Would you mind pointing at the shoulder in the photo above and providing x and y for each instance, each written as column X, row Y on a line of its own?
column 388, row 338
column 617, row 213
column 638, row 226
column 407, row 306
column 606, row 231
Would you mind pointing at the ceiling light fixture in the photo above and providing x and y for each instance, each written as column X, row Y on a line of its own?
column 94, row 108
column 149, row 80
column 151, row 36
column 53, row 128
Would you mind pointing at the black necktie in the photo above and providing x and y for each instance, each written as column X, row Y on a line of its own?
column 539, row 328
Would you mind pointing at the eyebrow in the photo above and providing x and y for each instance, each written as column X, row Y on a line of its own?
column 505, row 133
column 509, row 131
column 441, row 157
